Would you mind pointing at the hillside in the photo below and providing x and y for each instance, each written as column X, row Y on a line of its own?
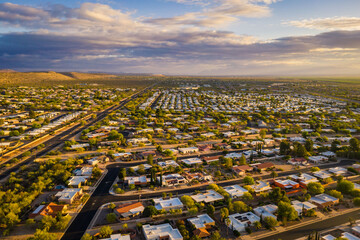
column 9, row 77
column 78, row 75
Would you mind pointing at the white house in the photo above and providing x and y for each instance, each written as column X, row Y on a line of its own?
column 168, row 204
column 266, row 211
column 207, row 197
column 235, row 191
column 240, row 221
column 188, row 150
column 162, row 231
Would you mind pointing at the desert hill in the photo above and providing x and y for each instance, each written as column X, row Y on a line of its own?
column 12, row 77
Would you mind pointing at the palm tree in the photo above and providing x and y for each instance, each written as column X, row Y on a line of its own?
column 227, row 222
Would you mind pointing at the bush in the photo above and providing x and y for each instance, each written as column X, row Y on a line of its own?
column 356, row 201
column 237, row 233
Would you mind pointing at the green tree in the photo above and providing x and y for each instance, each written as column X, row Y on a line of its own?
column 224, row 213
column 284, row 148
column 249, row 180
column 277, row 195
column 242, row 160
column 273, row 174
column 150, row 159
column 354, row 144
column 210, row 210
column 111, row 218
column 270, row 222
column 309, row 145
column 122, row 173
column 247, row 196
column 335, row 194
column 150, row 211
column 105, row 231
column 287, row 212
column 345, row 186
column 87, row 236
column 42, row 234
column 315, row 188
column 314, row 169
column 187, row 201
column 356, row 201
column 240, row 206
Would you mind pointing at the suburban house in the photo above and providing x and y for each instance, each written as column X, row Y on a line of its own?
column 322, row 174
column 51, row 209
column 172, row 179
column 317, row 159
column 161, row 232
column 118, row 236
column 207, row 197
column 202, row 224
column 188, row 150
column 323, row 200
column 303, row 178
column 288, row 185
column 261, row 186
column 235, row 191
column 84, row 171
column 302, row 207
column 298, row 161
column 129, row 210
column 68, row 195
column 77, row 181
column 192, row 161
column 266, row 211
column 137, row 181
column 263, row 166
column 240, row 221
column 241, row 170
column 197, row 176
column 338, row 171
column 211, row 159
column 168, row 204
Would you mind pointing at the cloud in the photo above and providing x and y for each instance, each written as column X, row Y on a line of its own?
column 219, row 13
column 98, row 37
column 336, row 23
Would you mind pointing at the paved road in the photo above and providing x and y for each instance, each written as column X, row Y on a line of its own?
column 318, row 226
column 68, row 134
column 102, row 196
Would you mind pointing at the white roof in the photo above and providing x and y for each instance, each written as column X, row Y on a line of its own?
column 328, row 237
column 192, row 161
column 76, row 180
column 118, row 237
column 349, row 236
column 158, row 231
column 323, row 198
column 201, row 220
column 337, row 170
column 240, row 221
column 261, row 186
column 304, row 177
column 235, row 190
column 322, row 174
column 67, row 193
column 209, row 196
column 168, row 203
column 266, row 211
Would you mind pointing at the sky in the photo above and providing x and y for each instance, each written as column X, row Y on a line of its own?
column 182, row 37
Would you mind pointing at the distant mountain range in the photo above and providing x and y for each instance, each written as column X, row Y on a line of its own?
column 8, row 76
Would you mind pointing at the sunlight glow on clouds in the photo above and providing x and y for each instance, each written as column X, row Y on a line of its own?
column 99, row 37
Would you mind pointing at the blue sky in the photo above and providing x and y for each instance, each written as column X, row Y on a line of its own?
column 198, row 37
